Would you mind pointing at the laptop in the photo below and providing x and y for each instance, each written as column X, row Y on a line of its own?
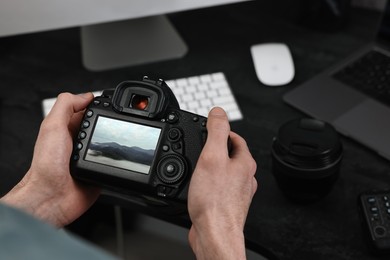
column 354, row 95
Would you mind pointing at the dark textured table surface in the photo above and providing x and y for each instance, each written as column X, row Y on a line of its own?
column 38, row 66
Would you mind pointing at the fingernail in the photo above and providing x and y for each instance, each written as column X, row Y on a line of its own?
column 218, row 111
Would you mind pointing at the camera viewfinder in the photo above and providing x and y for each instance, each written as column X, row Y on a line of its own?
column 139, row 102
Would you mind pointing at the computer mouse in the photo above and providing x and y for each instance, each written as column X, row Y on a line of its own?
column 273, row 63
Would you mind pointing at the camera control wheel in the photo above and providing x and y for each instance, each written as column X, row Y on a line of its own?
column 171, row 169
column 174, row 134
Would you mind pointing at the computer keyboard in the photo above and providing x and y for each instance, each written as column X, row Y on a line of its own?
column 197, row 94
column 369, row 74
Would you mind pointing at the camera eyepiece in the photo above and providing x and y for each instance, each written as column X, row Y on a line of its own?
column 147, row 98
column 139, row 102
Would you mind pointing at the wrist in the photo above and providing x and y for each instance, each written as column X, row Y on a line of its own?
column 38, row 204
column 217, row 240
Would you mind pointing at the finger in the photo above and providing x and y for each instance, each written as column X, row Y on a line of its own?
column 240, row 152
column 67, row 104
column 254, row 186
column 74, row 123
column 239, row 145
column 218, row 129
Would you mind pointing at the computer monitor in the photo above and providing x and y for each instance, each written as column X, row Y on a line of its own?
column 114, row 33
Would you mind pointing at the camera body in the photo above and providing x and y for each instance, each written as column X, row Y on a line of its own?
column 135, row 141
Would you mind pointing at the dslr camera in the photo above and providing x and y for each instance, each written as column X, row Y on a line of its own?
column 135, row 142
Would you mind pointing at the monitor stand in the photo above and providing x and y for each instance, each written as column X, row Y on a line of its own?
column 130, row 42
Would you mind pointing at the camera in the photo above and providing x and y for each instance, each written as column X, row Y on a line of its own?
column 136, row 142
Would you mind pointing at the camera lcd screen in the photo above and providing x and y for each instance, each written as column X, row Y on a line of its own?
column 122, row 144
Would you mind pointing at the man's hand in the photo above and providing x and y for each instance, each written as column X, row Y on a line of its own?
column 220, row 193
column 48, row 191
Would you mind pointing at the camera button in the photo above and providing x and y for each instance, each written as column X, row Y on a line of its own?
column 89, row 113
column 106, row 104
column 195, row 119
column 96, row 102
column 163, row 191
column 170, row 169
column 79, row 146
column 176, row 146
column 76, row 157
column 204, row 123
column 380, row 231
column 86, row 124
column 172, row 117
column 82, row 135
column 174, row 134
column 165, row 148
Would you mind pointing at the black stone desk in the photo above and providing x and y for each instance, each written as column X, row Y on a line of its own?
column 38, row 66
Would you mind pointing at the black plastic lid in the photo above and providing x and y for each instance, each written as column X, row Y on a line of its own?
column 307, row 143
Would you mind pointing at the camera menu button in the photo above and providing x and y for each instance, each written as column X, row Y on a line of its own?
column 86, row 124
column 82, row 135
column 89, row 113
column 79, row 146
column 165, row 148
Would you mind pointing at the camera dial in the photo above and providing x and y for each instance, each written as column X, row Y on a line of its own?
column 171, row 169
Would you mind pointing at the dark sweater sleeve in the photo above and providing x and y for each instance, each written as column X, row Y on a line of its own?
column 24, row 237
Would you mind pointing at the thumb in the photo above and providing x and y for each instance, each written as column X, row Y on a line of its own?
column 218, row 129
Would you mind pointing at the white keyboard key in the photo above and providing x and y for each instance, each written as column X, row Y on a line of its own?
column 218, row 85
column 200, row 95
column 206, row 103
column 219, row 76
column 178, row 91
column 193, row 105
column 230, row 106
column 212, row 94
column 205, row 78
column 203, row 87
column 202, row 111
column 194, row 80
column 184, row 106
column 224, row 91
column 223, row 100
column 190, row 89
column 234, row 115
column 181, row 82
column 187, row 97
